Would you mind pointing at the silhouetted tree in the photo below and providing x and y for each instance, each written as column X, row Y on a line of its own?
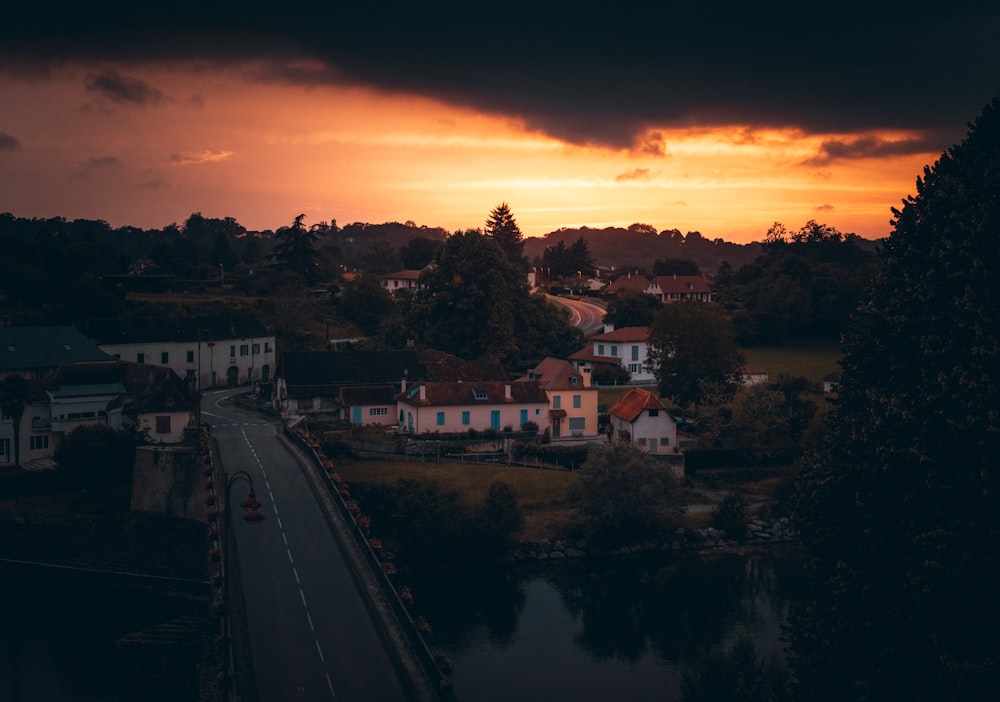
column 14, row 398
column 296, row 252
column 901, row 512
column 502, row 228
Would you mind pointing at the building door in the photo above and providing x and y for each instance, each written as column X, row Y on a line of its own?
column 233, row 376
column 495, row 419
column 356, row 415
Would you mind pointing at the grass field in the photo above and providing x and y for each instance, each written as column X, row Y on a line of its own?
column 541, row 493
column 811, row 361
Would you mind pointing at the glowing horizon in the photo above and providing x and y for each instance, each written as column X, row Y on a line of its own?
column 226, row 144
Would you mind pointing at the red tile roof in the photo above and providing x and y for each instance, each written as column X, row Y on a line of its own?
column 635, row 401
column 485, row 393
column 555, row 374
column 624, row 334
column 682, row 284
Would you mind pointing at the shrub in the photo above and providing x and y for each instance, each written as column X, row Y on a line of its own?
column 730, row 516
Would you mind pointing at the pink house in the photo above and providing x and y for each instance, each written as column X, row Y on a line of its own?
column 453, row 407
column 640, row 418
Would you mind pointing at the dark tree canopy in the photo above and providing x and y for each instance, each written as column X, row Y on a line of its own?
column 692, row 346
column 902, row 511
column 631, row 308
column 295, row 251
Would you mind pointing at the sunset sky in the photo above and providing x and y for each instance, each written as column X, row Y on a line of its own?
column 721, row 118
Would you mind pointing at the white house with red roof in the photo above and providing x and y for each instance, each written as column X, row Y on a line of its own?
column 640, row 418
column 627, row 347
column 401, row 280
column 671, row 288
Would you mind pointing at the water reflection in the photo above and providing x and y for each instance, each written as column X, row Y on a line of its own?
column 596, row 628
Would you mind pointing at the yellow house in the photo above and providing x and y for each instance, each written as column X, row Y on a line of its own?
column 572, row 400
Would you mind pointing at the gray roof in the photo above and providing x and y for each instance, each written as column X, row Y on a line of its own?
column 144, row 330
column 87, row 390
column 23, row 348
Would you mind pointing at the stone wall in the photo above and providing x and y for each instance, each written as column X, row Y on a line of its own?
column 169, row 480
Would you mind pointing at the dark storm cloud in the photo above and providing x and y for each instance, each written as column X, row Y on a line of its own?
column 9, row 143
column 124, row 89
column 102, row 162
column 588, row 71
column 867, row 147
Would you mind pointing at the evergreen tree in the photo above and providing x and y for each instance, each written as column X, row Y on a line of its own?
column 902, row 510
column 502, row 228
column 296, row 252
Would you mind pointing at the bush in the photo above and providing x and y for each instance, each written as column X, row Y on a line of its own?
column 730, row 516
column 624, row 495
column 93, row 455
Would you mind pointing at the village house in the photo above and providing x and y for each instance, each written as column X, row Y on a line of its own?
column 33, row 353
column 572, row 400
column 208, row 352
column 671, row 288
column 458, row 406
column 401, row 280
column 627, row 347
column 752, row 375
column 639, row 418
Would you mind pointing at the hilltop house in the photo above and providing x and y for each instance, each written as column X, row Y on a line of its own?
column 627, row 347
column 572, row 401
column 640, row 418
column 458, row 406
column 205, row 351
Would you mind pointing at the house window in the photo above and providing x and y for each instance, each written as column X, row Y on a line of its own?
column 466, row 418
column 232, row 350
column 635, row 353
column 665, row 441
column 614, row 350
column 577, row 401
column 164, row 357
column 634, row 367
column 140, row 358
column 4, row 450
column 524, row 417
column 577, row 423
column 654, row 413
column 39, row 442
column 440, row 419
column 255, row 349
column 495, row 419
column 556, row 401
column 378, row 412
column 267, row 347
column 600, row 349
column 244, row 349
column 190, row 356
column 479, row 395
column 189, row 374
column 642, row 442
column 163, row 424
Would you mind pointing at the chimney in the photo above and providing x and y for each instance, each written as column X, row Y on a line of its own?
column 423, row 393
column 506, row 392
column 402, row 385
column 585, row 372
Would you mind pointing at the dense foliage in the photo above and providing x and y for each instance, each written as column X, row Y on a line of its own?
column 902, row 510
column 95, row 454
column 624, row 495
column 693, row 351
column 736, row 674
column 805, row 284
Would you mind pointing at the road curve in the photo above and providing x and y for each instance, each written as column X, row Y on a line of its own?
column 587, row 316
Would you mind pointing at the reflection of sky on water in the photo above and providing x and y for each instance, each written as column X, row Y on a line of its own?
column 614, row 629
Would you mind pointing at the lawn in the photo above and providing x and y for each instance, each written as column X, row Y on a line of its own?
column 541, row 493
column 809, row 360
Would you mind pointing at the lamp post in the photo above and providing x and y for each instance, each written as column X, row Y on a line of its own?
column 234, row 594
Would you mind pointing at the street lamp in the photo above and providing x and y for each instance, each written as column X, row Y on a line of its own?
column 251, row 505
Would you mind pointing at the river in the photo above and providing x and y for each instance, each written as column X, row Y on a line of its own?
column 605, row 629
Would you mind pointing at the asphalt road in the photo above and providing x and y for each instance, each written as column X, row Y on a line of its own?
column 311, row 637
column 586, row 316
